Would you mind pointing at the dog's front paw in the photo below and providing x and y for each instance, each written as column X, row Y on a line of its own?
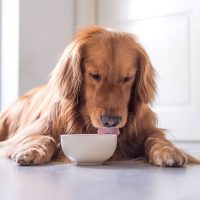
column 167, row 156
column 32, row 156
column 34, row 152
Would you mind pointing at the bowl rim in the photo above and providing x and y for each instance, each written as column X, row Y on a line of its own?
column 88, row 134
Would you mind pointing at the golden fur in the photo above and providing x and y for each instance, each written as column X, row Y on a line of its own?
column 101, row 71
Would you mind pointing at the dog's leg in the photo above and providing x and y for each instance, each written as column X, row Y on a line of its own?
column 31, row 145
column 34, row 150
column 162, row 152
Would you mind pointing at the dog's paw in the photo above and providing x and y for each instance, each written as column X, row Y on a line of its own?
column 167, row 156
column 34, row 152
column 32, row 156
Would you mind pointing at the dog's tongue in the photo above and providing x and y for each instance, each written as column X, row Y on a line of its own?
column 108, row 131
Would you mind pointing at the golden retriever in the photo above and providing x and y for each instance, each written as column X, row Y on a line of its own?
column 103, row 83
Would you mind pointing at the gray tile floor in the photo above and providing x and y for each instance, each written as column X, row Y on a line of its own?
column 119, row 180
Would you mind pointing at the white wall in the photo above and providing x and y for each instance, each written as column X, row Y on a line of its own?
column 33, row 35
column 9, row 51
column 46, row 26
column 0, row 54
column 85, row 13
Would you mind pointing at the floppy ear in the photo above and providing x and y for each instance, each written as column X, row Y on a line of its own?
column 66, row 76
column 144, row 86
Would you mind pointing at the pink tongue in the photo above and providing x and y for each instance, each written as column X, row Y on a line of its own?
column 108, row 131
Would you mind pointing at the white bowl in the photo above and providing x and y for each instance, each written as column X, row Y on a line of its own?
column 89, row 149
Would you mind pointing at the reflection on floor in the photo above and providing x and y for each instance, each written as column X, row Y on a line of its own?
column 122, row 180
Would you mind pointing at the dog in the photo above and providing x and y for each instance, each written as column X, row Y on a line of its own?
column 103, row 83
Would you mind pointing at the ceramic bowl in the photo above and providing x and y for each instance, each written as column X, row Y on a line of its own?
column 89, row 149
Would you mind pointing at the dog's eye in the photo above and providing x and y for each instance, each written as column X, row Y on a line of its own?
column 126, row 79
column 95, row 76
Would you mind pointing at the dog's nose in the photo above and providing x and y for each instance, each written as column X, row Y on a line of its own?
column 110, row 121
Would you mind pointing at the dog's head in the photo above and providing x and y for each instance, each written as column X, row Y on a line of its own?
column 107, row 73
